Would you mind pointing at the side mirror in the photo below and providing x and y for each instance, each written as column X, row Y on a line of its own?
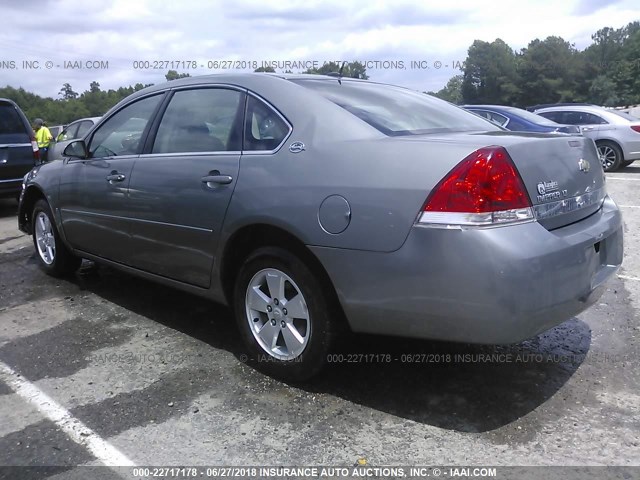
column 76, row 149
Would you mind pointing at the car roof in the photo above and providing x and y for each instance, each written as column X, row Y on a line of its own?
column 593, row 109
column 247, row 80
column 7, row 100
column 487, row 106
column 94, row 119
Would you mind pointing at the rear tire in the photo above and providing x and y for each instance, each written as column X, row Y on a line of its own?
column 52, row 254
column 610, row 155
column 289, row 344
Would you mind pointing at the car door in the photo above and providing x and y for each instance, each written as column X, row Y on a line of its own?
column 589, row 123
column 180, row 188
column 93, row 191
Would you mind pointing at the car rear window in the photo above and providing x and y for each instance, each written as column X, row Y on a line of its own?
column 624, row 115
column 10, row 121
column 395, row 110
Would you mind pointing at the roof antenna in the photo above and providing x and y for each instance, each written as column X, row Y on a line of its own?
column 340, row 72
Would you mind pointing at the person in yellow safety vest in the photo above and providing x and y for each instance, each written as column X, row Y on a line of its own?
column 43, row 137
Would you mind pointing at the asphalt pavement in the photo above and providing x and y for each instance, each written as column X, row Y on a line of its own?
column 107, row 366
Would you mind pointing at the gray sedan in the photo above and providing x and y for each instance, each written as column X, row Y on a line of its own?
column 313, row 205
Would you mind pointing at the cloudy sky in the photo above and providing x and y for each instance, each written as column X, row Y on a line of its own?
column 124, row 34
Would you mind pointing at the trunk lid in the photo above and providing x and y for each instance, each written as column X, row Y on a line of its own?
column 562, row 174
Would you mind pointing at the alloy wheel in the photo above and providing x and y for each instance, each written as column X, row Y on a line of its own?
column 607, row 156
column 45, row 239
column 277, row 314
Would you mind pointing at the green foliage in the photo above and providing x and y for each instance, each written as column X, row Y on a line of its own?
column 490, row 72
column 265, row 69
column 72, row 106
column 173, row 75
column 553, row 70
column 452, row 92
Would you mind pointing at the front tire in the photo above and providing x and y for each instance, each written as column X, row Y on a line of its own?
column 610, row 155
column 52, row 254
column 284, row 315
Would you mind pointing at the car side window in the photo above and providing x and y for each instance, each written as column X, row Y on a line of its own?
column 264, row 129
column 83, row 128
column 553, row 116
column 593, row 119
column 68, row 133
column 201, row 120
column 122, row 132
column 582, row 118
column 498, row 119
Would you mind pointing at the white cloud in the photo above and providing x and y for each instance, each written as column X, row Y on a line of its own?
column 259, row 30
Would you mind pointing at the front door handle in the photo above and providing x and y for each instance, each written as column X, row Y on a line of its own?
column 219, row 179
column 115, row 177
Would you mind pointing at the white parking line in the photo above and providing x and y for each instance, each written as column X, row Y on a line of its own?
column 629, row 206
column 74, row 428
column 624, row 178
column 627, row 277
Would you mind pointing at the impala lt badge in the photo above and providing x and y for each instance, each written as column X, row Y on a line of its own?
column 584, row 165
column 549, row 191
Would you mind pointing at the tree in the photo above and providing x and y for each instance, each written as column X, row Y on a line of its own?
column 174, row 75
column 551, row 70
column 67, row 92
column 452, row 92
column 603, row 91
column 265, row 69
column 94, row 87
column 490, row 73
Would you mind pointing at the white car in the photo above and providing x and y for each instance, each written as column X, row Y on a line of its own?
column 75, row 130
column 616, row 134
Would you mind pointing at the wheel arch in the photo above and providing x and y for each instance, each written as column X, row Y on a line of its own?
column 613, row 141
column 251, row 237
column 31, row 195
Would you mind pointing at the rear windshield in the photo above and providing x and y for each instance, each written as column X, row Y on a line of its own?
column 394, row 110
column 10, row 120
column 624, row 115
column 531, row 117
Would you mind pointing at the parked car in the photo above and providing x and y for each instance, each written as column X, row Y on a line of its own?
column 519, row 120
column 533, row 108
column 617, row 134
column 18, row 148
column 73, row 131
column 313, row 204
column 56, row 130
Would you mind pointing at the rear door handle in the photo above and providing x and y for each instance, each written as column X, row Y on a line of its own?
column 219, row 179
column 115, row 177
column 587, row 129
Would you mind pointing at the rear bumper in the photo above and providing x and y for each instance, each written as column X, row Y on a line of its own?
column 497, row 285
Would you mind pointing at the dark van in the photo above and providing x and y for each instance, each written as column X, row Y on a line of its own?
column 18, row 148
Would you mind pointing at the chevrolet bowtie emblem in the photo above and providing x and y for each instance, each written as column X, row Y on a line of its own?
column 584, row 165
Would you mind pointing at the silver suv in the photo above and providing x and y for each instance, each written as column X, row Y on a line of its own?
column 617, row 134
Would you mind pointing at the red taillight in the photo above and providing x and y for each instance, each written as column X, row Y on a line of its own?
column 635, row 128
column 485, row 188
column 36, row 150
